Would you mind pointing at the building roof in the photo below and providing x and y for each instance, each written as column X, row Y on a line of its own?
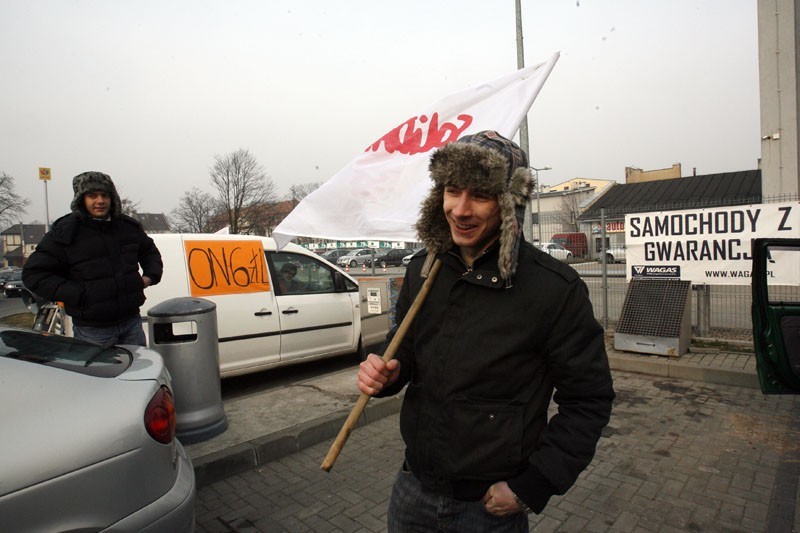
column 691, row 192
column 153, row 222
column 32, row 233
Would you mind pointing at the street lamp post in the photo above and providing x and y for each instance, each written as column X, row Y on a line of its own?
column 538, row 207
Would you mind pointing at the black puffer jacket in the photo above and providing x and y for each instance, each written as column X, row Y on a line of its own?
column 481, row 362
column 92, row 266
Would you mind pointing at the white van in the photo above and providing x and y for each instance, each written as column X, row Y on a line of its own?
column 264, row 319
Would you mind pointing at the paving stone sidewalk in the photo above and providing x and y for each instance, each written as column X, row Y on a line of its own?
column 678, row 455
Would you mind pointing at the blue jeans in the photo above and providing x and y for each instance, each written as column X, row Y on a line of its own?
column 126, row 332
column 413, row 509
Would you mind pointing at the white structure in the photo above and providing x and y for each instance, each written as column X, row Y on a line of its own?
column 778, row 35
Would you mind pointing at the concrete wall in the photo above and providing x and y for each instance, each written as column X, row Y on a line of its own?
column 637, row 175
column 778, row 33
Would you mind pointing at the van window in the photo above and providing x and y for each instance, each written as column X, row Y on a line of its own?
column 301, row 274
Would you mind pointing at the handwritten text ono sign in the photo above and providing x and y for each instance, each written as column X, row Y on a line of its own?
column 226, row 267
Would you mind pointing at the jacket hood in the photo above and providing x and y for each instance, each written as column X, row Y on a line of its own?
column 94, row 181
column 486, row 162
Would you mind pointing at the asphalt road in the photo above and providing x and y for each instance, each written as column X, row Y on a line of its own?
column 239, row 386
column 11, row 306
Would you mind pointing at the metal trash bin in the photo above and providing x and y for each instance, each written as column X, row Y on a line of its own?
column 184, row 332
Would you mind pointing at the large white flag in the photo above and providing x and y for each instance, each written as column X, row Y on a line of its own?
column 378, row 194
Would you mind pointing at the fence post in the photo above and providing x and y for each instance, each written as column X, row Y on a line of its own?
column 703, row 309
column 605, row 265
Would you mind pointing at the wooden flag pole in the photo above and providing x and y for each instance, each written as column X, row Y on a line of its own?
column 388, row 355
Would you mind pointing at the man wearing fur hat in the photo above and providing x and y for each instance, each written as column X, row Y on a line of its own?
column 90, row 260
column 503, row 327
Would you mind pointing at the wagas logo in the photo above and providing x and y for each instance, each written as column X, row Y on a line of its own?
column 645, row 271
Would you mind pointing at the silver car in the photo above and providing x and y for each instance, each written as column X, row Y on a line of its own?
column 616, row 253
column 333, row 255
column 407, row 258
column 556, row 250
column 355, row 258
column 88, row 438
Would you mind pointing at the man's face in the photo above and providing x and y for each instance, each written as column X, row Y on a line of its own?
column 97, row 203
column 474, row 219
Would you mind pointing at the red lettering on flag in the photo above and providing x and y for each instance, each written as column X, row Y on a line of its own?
column 409, row 139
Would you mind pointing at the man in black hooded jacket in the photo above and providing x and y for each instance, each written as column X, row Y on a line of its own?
column 503, row 327
column 90, row 260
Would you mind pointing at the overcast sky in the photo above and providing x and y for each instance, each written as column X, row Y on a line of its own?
column 150, row 91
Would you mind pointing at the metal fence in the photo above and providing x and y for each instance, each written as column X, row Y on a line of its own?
column 718, row 311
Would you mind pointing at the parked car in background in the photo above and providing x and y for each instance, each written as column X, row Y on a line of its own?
column 274, row 307
column 407, row 258
column 616, row 253
column 555, row 250
column 392, row 257
column 5, row 273
column 89, row 438
column 333, row 255
column 13, row 284
column 575, row 242
column 355, row 258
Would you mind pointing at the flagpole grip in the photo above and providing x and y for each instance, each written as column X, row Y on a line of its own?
column 388, row 355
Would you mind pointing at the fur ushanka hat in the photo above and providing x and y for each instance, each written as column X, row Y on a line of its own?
column 94, row 181
column 485, row 162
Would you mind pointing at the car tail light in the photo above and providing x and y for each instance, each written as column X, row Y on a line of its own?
column 159, row 417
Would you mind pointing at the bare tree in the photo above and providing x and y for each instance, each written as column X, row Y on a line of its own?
column 568, row 216
column 299, row 191
column 241, row 184
column 12, row 205
column 129, row 207
column 195, row 212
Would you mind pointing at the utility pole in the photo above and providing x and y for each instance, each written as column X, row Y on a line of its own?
column 44, row 176
column 527, row 226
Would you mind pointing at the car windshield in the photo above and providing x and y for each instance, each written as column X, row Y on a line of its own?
column 15, row 276
column 64, row 352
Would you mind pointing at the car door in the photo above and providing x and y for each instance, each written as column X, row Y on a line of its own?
column 363, row 255
column 776, row 314
column 231, row 272
column 554, row 251
column 317, row 318
column 248, row 323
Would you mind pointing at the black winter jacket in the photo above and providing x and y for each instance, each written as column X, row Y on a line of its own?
column 481, row 362
column 92, row 266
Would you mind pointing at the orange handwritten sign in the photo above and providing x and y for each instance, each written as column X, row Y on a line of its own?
column 226, row 267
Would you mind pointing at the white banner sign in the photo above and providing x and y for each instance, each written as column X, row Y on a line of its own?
column 378, row 194
column 706, row 246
